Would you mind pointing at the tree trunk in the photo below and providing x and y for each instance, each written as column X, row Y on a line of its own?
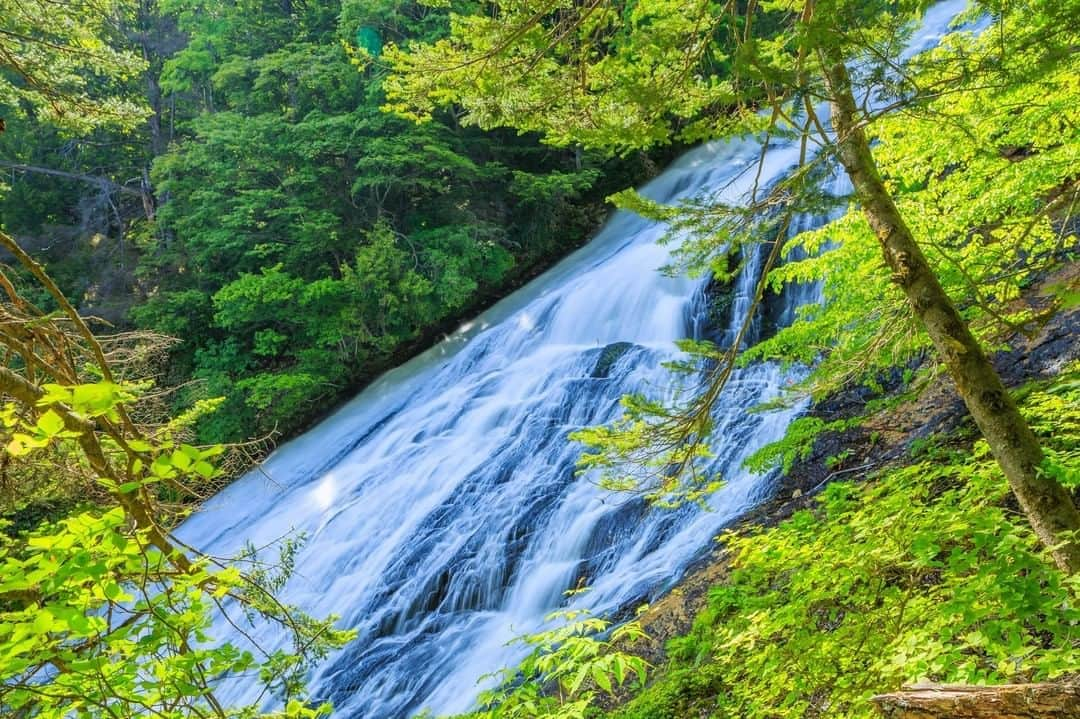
column 1010, row 701
column 1047, row 504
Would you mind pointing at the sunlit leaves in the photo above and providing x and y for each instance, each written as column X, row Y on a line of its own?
column 565, row 668
column 651, row 452
column 55, row 59
column 984, row 177
column 99, row 616
column 599, row 76
column 922, row 574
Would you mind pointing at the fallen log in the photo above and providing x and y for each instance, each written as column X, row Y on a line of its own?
column 962, row 701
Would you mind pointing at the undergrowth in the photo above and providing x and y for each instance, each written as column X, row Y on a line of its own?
column 927, row 572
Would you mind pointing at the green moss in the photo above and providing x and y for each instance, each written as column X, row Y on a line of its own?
column 689, row 691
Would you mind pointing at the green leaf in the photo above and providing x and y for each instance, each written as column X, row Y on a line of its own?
column 50, row 423
column 602, row 679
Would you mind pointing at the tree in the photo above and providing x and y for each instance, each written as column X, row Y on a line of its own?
column 104, row 613
column 1047, row 504
column 626, row 75
column 285, row 173
column 56, row 60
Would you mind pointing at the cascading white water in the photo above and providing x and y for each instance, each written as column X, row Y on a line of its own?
column 441, row 505
column 442, row 512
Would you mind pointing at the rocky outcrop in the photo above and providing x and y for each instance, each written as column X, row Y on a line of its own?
column 609, row 355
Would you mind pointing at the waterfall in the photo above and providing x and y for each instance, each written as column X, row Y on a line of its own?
column 441, row 508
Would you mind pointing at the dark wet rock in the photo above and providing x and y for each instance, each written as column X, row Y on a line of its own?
column 719, row 300
column 608, row 357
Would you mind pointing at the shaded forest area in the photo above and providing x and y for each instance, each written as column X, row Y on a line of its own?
column 294, row 236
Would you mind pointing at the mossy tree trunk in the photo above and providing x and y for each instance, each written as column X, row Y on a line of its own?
column 1047, row 504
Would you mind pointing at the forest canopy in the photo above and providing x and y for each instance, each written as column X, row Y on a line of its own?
column 220, row 219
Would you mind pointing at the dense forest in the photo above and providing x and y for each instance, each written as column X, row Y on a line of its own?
column 221, row 219
column 300, row 239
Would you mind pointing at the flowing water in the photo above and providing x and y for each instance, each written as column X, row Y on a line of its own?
column 441, row 508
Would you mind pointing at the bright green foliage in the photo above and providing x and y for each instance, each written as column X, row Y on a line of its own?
column 93, row 631
column 97, row 620
column 61, row 62
column 530, row 67
column 927, row 573
column 96, row 626
column 628, row 75
column 566, row 670
column 986, row 178
column 797, row 444
column 628, row 457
